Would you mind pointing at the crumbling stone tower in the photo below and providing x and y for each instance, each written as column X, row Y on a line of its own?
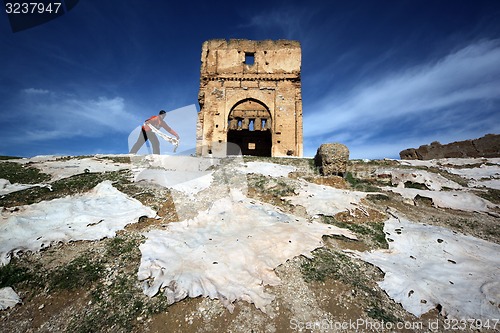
column 250, row 94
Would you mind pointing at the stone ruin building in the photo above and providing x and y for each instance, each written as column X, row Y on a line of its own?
column 250, row 95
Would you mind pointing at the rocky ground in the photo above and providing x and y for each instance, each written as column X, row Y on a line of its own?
column 92, row 286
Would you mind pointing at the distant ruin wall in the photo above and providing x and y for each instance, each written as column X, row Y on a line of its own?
column 487, row 146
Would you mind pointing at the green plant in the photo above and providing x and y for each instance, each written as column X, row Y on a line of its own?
column 351, row 179
column 257, row 181
column 68, row 186
column 417, row 186
column 22, row 174
column 12, row 274
column 80, row 272
column 329, row 264
column 491, row 195
column 359, row 184
column 117, row 299
column 118, row 159
column 370, row 230
column 117, row 303
column 376, row 312
column 2, row 157
column 312, row 166
column 125, row 247
column 273, row 186
column 379, row 235
column 281, row 189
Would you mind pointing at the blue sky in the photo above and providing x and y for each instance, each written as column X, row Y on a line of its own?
column 377, row 75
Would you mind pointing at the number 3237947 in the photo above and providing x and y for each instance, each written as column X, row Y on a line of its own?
column 472, row 324
column 33, row 7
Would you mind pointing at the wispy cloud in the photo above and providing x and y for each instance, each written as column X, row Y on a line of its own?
column 463, row 87
column 35, row 91
column 49, row 115
column 287, row 21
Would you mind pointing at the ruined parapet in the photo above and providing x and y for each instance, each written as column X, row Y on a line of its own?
column 331, row 159
column 250, row 94
column 486, row 146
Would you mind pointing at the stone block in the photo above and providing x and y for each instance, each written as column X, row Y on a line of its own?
column 331, row 159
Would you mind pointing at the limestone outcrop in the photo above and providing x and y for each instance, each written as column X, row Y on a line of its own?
column 486, row 146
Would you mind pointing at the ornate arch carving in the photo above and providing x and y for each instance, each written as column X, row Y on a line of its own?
column 249, row 114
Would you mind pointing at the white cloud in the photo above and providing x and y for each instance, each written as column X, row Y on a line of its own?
column 464, row 85
column 51, row 116
column 40, row 135
column 103, row 112
column 289, row 20
column 35, row 91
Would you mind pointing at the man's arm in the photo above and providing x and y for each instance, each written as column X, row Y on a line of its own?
column 170, row 130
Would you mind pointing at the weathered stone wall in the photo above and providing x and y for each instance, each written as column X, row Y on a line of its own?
column 242, row 72
column 487, row 146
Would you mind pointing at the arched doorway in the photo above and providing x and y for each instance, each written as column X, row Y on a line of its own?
column 249, row 126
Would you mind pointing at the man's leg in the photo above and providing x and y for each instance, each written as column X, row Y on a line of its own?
column 140, row 141
column 154, row 142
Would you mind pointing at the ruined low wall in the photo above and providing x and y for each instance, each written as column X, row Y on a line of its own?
column 487, row 146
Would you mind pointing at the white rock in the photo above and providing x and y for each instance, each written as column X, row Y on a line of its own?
column 8, row 298
column 90, row 216
column 227, row 252
column 326, row 200
column 428, row 265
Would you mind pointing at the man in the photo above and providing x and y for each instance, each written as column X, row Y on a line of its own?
column 148, row 134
